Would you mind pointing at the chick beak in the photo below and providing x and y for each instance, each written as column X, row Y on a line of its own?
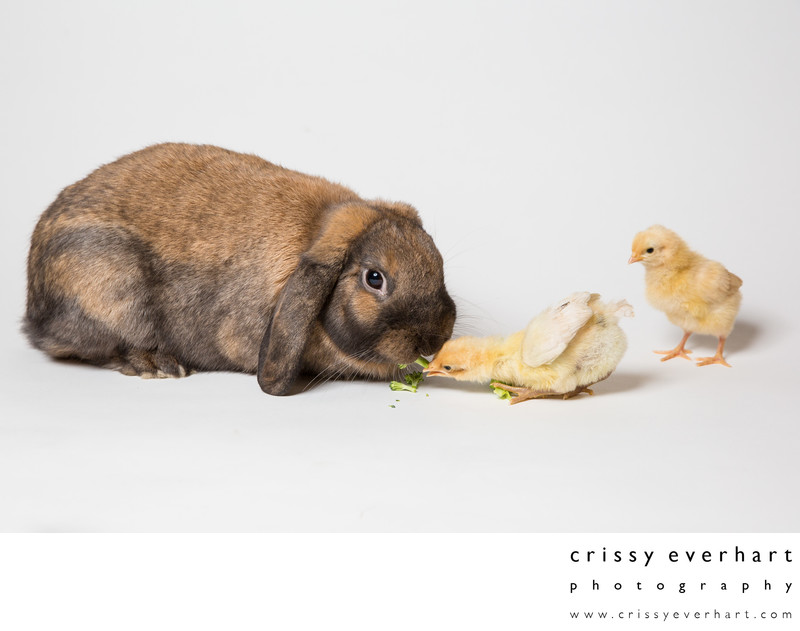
column 635, row 258
column 433, row 370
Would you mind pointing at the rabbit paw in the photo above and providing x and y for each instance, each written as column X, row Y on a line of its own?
column 150, row 365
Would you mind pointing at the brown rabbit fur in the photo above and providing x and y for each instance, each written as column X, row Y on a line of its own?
column 191, row 257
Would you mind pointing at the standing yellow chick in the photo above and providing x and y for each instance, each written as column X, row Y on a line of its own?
column 697, row 294
column 563, row 350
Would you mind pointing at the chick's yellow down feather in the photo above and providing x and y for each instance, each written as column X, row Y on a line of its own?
column 562, row 351
column 696, row 294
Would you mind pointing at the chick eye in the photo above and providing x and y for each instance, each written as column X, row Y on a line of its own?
column 447, row 367
column 374, row 281
column 650, row 250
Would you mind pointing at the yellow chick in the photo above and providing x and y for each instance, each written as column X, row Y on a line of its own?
column 697, row 294
column 563, row 350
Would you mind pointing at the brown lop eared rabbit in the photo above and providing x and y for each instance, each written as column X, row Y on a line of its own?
column 180, row 258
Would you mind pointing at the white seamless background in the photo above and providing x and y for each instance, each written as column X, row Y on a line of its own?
column 535, row 138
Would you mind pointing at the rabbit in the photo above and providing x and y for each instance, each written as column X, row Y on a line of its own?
column 180, row 258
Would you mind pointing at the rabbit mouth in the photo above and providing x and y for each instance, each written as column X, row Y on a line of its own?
column 398, row 346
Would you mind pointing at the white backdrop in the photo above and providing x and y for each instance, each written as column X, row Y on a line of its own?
column 535, row 138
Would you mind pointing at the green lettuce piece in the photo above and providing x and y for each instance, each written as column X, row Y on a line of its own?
column 412, row 379
column 397, row 386
column 501, row 393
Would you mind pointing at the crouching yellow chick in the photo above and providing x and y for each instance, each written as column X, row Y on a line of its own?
column 697, row 294
column 563, row 350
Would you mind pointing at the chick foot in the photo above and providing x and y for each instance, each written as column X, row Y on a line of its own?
column 678, row 351
column 577, row 391
column 716, row 359
column 525, row 394
column 521, row 394
column 675, row 352
column 581, row 390
column 707, row 361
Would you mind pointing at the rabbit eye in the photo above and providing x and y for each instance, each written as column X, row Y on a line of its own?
column 374, row 281
column 650, row 250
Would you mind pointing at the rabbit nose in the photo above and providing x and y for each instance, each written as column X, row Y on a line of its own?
column 432, row 338
column 430, row 344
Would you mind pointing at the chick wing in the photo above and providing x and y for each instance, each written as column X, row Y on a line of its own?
column 715, row 283
column 549, row 333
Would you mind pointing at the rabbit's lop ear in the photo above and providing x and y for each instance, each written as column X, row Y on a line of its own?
column 280, row 358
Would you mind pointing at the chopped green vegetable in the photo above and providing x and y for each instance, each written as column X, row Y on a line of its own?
column 501, row 393
column 419, row 360
column 397, row 386
column 412, row 379
column 391, row 406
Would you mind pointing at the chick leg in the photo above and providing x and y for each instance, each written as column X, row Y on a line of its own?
column 717, row 359
column 678, row 351
column 525, row 394
column 582, row 389
column 522, row 394
column 577, row 391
